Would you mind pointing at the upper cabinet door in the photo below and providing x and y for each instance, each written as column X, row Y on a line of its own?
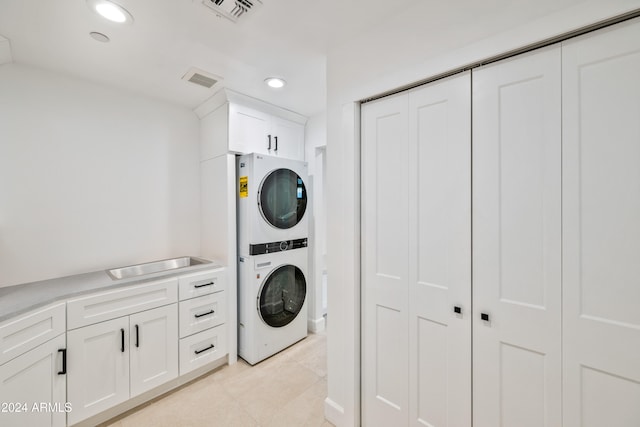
column 385, row 253
column 440, row 253
column 517, row 241
column 287, row 138
column 601, row 228
column 249, row 130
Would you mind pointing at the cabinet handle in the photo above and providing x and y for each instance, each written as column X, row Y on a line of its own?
column 64, row 361
column 204, row 349
column 137, row 336
column 484, row 316
column 276, row 138
column 457, row 309
column 269, row 147
column 205, row 284
column 204, row 314
column 122, row 340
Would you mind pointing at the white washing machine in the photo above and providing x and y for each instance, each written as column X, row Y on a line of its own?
column 272, row 303
column 272, row 202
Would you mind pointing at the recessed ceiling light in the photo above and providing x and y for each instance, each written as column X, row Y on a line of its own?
column 99, row 37
column 111, row 11
column 275, row 82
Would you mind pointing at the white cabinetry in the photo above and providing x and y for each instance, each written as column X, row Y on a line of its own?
column 517, row 242
column 243, row 125
column 203, row 333
column 32, row 373
column 116, row 359
column 416, row 257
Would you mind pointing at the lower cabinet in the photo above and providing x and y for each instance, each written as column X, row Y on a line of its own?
column 112, row 361
column 33, row 387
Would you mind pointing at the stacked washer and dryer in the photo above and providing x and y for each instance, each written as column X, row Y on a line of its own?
column 272, row 249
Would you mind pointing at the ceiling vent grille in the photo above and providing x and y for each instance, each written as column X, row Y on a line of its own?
column 232, row 9
column 201, row 78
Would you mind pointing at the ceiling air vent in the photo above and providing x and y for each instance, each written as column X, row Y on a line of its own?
column 201, row 78
column 232, row 9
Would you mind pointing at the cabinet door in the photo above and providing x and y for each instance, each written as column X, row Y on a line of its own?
column 385, row 338
column 153, row 348
column 98, row 367
column 517, row 242
column 33, row 379
column 440, row 253
column 288, row 139
column 601, row 228
column 249, row 130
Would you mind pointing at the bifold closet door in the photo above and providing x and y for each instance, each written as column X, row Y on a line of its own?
column 440, row 253
column 416, row 219
column 517, row 242
column 601, row 228
column 385, row 254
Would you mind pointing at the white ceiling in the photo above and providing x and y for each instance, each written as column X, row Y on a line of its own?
column 288, row 38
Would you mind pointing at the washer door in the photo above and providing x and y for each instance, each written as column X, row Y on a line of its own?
column 282, row 296
column 283, row 198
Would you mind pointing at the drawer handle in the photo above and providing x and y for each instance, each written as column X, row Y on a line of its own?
column 204, row 314
column 122, row 340
column 64, row 361
column 205, row 284
column 204, row 349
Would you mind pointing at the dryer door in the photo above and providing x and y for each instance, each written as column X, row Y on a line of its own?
column 282, row 296
column 282, row 198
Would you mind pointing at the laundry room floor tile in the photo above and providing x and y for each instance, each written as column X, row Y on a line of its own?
column 288, row 389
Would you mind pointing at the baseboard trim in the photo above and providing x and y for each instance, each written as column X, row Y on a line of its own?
column 316, row 325
column 333, row 412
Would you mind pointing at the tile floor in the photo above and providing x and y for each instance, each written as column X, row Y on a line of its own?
column 287, row 389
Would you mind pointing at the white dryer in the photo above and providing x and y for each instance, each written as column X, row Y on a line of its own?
column 272, row 201
column 272, row 303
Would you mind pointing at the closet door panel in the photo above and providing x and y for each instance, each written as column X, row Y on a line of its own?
column 385, row 178
column 440, row 253
column 601, row 228
column 517, row 241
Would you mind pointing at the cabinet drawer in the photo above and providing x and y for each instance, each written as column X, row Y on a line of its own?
column 120, row 302
column 204, row 283
column 19, row 335
column 202, row 348
column 202, row 313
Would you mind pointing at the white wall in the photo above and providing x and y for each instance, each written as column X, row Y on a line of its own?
column 411, row 46
column 91, row 177
column 315, row 154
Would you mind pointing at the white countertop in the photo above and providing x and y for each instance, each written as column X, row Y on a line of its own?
column 18, row 299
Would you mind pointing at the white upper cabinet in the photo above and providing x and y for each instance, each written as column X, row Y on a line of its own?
column 242, row 125
column 601, row 228
column 517, row 242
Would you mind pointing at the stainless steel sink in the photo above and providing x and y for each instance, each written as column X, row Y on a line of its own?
column 154, row 267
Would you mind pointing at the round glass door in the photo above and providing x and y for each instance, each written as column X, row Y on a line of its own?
column 283, row 198
column 282, row 296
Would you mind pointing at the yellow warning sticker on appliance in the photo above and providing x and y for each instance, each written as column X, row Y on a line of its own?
column 244, row 186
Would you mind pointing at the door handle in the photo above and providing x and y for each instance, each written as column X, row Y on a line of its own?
column 457, row 309
column 137, row 336
column 276, row 138
column 484, row 316
column 122, row 340
column 64, row 361
column 269, row 147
